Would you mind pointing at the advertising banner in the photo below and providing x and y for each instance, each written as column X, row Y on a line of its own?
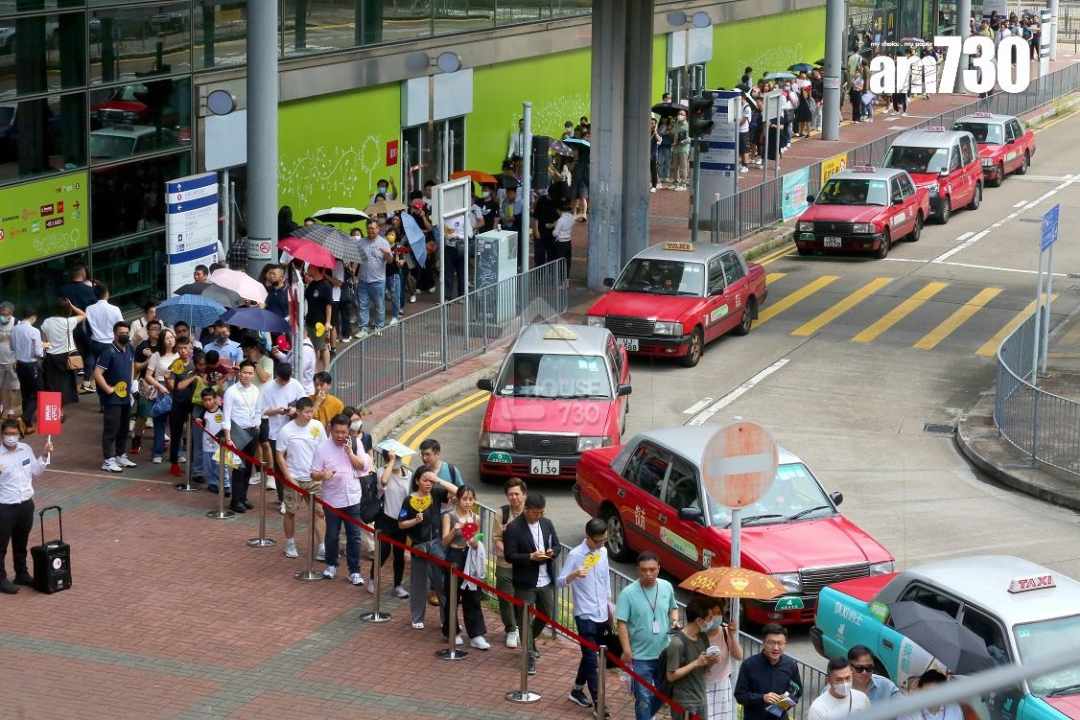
column 831, row 166
column 43, row 218
column 796, row 187
column 191, row 226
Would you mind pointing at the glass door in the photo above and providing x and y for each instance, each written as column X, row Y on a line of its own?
column 433, row 152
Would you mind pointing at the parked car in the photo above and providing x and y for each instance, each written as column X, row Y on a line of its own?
column 1005, row 146
column 673, row 298
column 945, row 162
column 562, row 389
column 121, row 141
column 650, row 491
column 863, row 209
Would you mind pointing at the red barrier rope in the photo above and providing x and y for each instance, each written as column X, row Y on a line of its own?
column 441, row 562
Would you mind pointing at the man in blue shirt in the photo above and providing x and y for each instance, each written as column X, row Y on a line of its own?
column 769, row 680
column 113, row 375
column 586, row 572
column 228, row 350
column 863, row 678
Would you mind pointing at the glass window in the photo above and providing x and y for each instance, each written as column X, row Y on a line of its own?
column 42, row 54
column 133, row 271
column 22, row 6
column 314, row 26
column 40, row 137
column 521, row 11
column 567, row 8
column 1049, row 638
column 852, row 192
column 967, row 152
column 139, row 118
column 897, row 192
column 38, row 285
column 220, row 33
column 733, row 269
column 456, row 17
column 663, row 277
column 129, row 43
column 393, row 22
column 130, row 198
column 954, row 163
column 932, row 599
column 682, row 487
column 646, row 468
column 716, row 277
column 917, row 159
column 1018, row 131
column 989, row 632
column 794, row 494
column 905, row 183
column 555, row 376
column 989, row 133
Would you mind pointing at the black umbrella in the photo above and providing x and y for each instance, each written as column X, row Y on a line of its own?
column 940, row 634
column 342, row 246
column 668, row 109
column 222, row 296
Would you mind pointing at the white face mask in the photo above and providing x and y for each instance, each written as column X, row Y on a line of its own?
column 355, row 426
column 843, row 689
column 11, row 440
column 382, row 188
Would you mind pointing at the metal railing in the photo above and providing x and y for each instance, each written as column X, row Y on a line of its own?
column 438, row 338
column 760, row 207
column 1044, row 426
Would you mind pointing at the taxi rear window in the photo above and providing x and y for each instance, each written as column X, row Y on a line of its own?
column 854, row 191
column 555, row 376
column 989, row 133
column 663, row 277
column 918, row 159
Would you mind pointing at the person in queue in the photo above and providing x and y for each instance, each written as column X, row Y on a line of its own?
column 276, row 400
column 949, row 711
column 840, row 699
column 431, row 455
column 421, row 518
column 181, row 383
column 459, row 529
column 338, row 466
column 241, row 423
column 515, row 490
column 18, row 468
column 865, row 680
column 585, row 571
column 689, row 657
column 297, row 443
column 531, row 546
column 770, row 680
column 394, row 484
column 113, row 375
column 362, row 443
column 723, row 636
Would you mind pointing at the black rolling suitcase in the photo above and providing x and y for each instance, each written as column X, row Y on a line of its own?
column 52, row 560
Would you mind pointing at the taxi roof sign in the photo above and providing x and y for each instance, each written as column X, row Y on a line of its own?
column 935, row 128
column 1027, row 584
column 863, row 168
column 560, row 332
column 982, row 114
column 683, row 246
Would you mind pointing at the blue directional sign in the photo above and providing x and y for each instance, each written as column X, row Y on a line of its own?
column 1050, row 227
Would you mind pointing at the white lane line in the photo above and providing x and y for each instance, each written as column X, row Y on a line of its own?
column 1022, row 203
column 735, row 394
column 910, row 260
column 699, row 405
column 1002, row 269
column 962, row 246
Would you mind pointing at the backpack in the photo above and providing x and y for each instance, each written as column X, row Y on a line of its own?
column 505, row 509
column 455, row 475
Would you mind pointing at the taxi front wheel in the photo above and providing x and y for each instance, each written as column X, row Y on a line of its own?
column 693, row 351
column 883, row 249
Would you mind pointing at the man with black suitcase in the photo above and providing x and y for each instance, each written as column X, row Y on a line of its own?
column 18, row 468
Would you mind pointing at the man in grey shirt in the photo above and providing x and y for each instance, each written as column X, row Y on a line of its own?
column 371, row 289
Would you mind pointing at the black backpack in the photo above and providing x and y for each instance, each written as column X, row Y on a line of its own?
column 371, row 501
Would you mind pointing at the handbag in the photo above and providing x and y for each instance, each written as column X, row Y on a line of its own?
column 371, row 504
column 74, row 359
column 161, row 406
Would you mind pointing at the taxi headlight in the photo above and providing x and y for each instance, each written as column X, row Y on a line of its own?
column 806, row 226
column 595, row 320
column 862, row 228
column 668, row 328
column 497, row 441
column 589, row 442
column 790, row 581
column 883, row 568
column 987, row 162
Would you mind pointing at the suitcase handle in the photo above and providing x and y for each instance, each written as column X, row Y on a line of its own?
column 59, row 519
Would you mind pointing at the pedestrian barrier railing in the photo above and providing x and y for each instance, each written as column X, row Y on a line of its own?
column 1042, row 425
column 762, row 206
column 434, row 340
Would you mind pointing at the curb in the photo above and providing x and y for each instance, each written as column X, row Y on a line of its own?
column 1055, row 109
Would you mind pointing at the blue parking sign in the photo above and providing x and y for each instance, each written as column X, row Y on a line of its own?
column 1050, row 227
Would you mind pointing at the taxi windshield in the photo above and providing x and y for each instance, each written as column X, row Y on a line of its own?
column 1050, row 637
column 554, row 377
column 663, row 277
column 917, row 159
column 850, row 191
column 988, row 133
column 795, row 494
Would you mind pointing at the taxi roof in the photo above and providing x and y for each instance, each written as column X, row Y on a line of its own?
column 687, row 441
column 868, row 173
column 928, row 138
column 701, row 252
column 561, row 339
column 984, row 581
column 986, row 118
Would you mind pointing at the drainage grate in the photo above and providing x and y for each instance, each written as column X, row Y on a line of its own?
column 939, row 428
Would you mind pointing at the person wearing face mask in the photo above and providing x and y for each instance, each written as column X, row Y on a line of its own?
column 586, row 572
column 688, row 656
column 724, row 637
column 228, row 350
column 841, row 699
column 113, row 375
column 386, row 188
column 18, row 468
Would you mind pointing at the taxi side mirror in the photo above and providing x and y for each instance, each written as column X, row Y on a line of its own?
column 624, row 390
column 837, row 497
column 692, row 515
column 809, row 199
column 898, row 200
column 485, row 384
column 609, row 282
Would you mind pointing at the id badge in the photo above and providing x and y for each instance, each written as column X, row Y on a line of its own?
column 655, row 627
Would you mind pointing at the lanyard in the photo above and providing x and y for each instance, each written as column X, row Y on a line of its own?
column 655, row 599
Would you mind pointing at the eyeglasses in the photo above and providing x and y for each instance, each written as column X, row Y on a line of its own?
column 862, row 668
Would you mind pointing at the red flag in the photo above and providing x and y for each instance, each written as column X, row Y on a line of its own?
column 50, row 407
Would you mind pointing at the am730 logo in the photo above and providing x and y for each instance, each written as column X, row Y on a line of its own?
column 1005, row 65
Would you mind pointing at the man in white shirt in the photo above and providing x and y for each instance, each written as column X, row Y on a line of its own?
column 9, row 381
column 586, row 572
column 276, row 400
column 295, row 454
column 101, row 316
column 28, row 350
column 841, row 699
column 517, row 141
column 18, row 467
column 241, row 425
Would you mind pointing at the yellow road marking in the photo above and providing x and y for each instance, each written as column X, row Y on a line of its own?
column 773, row 257
column 812, row 326
column 958, row 318
column 989, row 348
column 425, row 432
column 407, row 436
column 900, row 312
column 773, row 277
column 1055, row 121
column 798, row 296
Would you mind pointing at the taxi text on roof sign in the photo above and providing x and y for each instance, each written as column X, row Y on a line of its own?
column 1036, row 582
column 559, row 332
column 688, row 247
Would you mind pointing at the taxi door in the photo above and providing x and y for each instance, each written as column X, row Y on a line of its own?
column 737, row 289
column 717, row 311
column 898, row 215
column 620, row 375
column 685, row 540
column 969, row 156
column 955, row 185
column 638, row 498
column 1014, row 149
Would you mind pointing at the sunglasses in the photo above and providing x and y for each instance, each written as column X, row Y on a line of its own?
column 862, row 668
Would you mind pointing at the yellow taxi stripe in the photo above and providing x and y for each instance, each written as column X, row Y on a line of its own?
column 799, row 295
column 990, row 346
column 773, row 277
column 812, row 326
column 423, row 435
column 773, row 257
column 408, row 435
column 960, row 316
column 900, row 312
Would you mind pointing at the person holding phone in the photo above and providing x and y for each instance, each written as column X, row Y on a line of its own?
column 724, row 646
column 421, row 518
column 531, row 545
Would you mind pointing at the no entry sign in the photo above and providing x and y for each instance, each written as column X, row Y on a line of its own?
column 739, row 464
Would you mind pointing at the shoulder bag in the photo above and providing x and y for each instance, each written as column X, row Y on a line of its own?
column 74, row 359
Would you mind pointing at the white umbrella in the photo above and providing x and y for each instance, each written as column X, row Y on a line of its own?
column 241, row 283
column 340, row 215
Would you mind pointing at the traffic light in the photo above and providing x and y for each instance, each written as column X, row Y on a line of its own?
column 701, row 112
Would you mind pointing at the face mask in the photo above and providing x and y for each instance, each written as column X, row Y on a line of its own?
column 355, row 426
column 382, row 188
column 122, row 339
column 713, row 625
column 5, row 319
column 843, row 689
column 11, row 440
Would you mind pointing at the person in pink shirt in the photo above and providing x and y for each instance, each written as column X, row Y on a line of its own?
column 339, row 467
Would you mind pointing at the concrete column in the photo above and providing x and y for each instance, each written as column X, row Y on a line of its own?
column 963, row 21
column 262, row 132
column 637, row 101
column 1053, row 4
column 834, row 63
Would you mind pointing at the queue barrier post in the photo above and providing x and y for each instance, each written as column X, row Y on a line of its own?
column 262, row 540
column 221, row 513
column 601, row 683
column 451, row 652
column 376, row 615
column 309, row 573
column 523, row 694
column 186, row 485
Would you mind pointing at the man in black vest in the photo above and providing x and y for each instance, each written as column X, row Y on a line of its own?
column 531, row 545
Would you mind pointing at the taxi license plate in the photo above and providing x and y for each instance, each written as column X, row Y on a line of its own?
column 832, row 241
column 631, row 344
column 539, row 466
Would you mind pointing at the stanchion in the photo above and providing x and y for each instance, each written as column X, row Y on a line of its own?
column 451, row 652
column 186, row 485
column 523, row 694
column 601, row 684
column 376, row 615
column 221, row 513
column 262, row 540
column 310, row 573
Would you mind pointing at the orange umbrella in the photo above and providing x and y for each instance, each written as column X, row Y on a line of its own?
column 478, row 176
column 726, row 582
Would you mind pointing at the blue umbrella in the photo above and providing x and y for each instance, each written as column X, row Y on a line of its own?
column 196, row 310
column 416, row 238
column 256, row 319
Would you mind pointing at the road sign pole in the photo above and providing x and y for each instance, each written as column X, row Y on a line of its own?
column 1046, row 304
column 736, row 557
column 1038, row 321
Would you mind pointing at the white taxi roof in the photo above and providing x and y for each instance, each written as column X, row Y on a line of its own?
column 929, row 138
column 687, row 441
column 984, row 581
column 561, row 339
column 686, row 252
column 986, row 118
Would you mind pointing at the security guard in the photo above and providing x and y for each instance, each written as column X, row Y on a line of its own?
column 18, row 467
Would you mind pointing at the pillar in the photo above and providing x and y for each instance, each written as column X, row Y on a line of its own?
column 637, row 102
column 1053, row 28
column 262, row 134
column 834, row 63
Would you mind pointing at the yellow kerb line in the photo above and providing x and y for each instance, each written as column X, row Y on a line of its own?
column 990, row 347
column 773, row 277
column 776, row 255
column 423, row 435
column 799, row 295
column 900, row 312
column 812, row 326
column 408, row 435
column 960, row 316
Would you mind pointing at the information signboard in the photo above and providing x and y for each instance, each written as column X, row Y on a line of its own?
column 191, row 226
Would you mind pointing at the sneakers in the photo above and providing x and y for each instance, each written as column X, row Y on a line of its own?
column 124, row 461
column 418, row 626
column 7, row 587
column 181, row 459
column 156, row 460
column 356, row 578
column 512, row 639
column 321, row 555
column 400, row 592
column 578, row 697
column 330, row 572
column 458, row 640
column 480, row 643
column 370, row 585
column 412, row 298
column 112, row 466
column 362, row 334
column 270, row 484
column 254, row 480
column 652, row 189
column 291, row 550
column 532, row 665
column 394, row 321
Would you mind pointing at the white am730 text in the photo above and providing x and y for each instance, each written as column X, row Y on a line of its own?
column 1005, row 65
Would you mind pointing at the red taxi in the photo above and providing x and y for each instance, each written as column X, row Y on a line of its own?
column 672, row 298
column 651, row 494
column 945, row 162
column 1005, row 146
column 862, row 209
column 562, row 389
